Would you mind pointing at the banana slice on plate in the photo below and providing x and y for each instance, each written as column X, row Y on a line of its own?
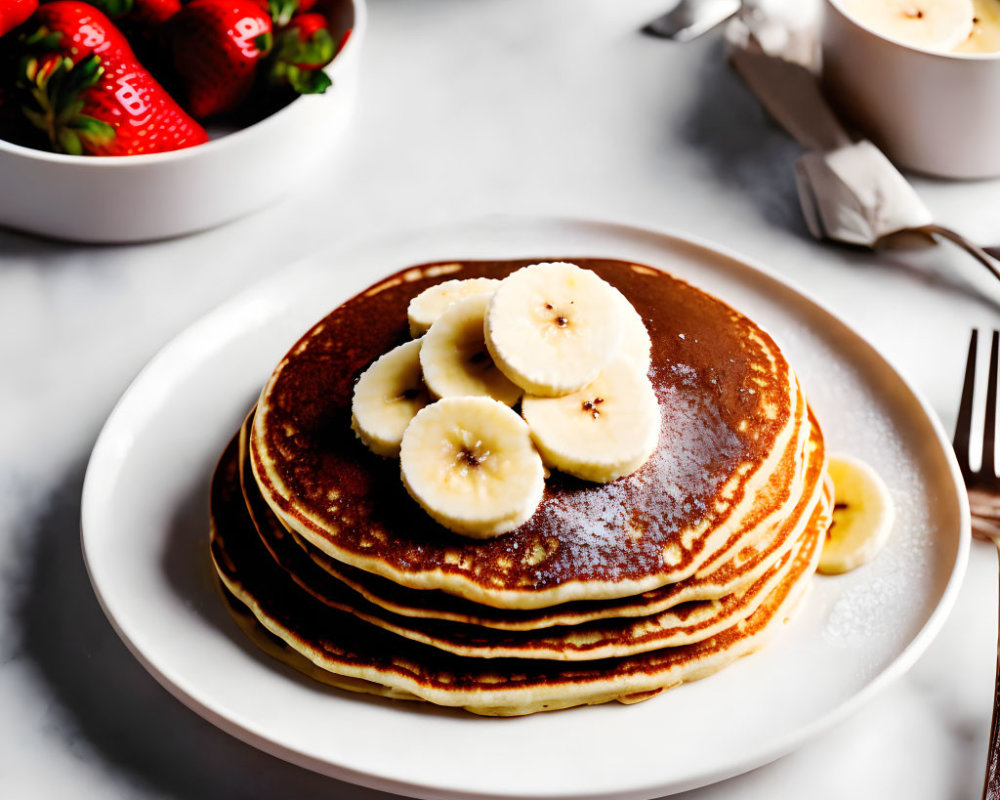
column 469, row 462
column 454, row 357
column 601, row 432
column 386, row 397
column 426, row 307
column 863, row 514
column 938, row 25
column 552, row 327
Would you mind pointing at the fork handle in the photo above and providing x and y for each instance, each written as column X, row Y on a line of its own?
column 991, row 786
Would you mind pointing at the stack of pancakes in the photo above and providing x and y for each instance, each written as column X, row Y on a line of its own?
column 613, row 591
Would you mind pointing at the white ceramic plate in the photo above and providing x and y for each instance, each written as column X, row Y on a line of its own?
column 145, row 542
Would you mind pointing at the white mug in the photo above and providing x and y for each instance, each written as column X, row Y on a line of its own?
column 936, row 113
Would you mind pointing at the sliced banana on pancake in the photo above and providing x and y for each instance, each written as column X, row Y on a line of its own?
column 454, row 357
column 469, row 462
column 636, row 344
column 552, row 327
column 939, row 25
column 601, row 432
column 426, row 307
column 386, row 397
column 863, row 514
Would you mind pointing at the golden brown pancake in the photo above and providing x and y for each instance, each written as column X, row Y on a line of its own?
column 682, row 624
column 277, row 648
column 730, row 406
column 373, row 659
column 746, row 568
column 608, row 592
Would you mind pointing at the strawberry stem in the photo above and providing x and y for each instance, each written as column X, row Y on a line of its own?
column 54, row 87
column 282, row 11
column 298, row 63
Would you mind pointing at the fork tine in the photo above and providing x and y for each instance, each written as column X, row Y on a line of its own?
column 963, row 428
column 990, row 430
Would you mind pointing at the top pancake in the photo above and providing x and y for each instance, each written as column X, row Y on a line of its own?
column 729, row 403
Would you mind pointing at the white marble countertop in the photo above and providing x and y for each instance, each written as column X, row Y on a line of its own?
column 555, row 107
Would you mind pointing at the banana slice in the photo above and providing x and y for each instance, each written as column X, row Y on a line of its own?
column 601, row 432
column 862, row 516
column 636, row 344
column 454, row 357
column 938, row 25
column 551, row 328
column 431, row 303
column 386, row 397
column 469, row 462
column 985, row 36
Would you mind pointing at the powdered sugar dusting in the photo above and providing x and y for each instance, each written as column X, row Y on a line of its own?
column 685, row 373
column 600, row 526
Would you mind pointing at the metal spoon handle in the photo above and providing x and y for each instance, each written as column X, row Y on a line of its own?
column 689, row 19
column 982, row 256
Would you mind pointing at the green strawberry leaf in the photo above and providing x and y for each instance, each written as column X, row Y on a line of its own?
column 54, row 98
column 42, row 38
column 113, row 8
column 282, row 11
column 298, row 63
column 92, row 127
column 94, row 132
column 318, row 50
column 85, row 74
column 308, row 81
column 68, row 142
column 36, row 119
column 264, row 43
column 70, row 112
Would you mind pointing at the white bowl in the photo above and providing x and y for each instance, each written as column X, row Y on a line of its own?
column 936, row 113
column 135, row 198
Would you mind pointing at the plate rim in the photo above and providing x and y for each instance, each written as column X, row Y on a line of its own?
column 230, row 723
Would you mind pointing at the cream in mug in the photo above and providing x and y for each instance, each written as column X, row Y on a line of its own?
column 985, row 36
column 959, row 26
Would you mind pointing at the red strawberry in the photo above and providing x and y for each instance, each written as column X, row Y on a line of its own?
column 216, row 45
column 14, row 12
column 148, row 14
column 306, row 26
column 143, row 23
column 301, row 51
column 90, row 95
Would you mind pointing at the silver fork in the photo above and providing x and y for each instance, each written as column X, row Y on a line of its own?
column 984, row 501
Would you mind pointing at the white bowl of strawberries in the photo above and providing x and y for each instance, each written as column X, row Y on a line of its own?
column 145, row 119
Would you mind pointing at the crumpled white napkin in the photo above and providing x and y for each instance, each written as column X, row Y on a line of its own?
column 849, row 191
column 855, row 195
